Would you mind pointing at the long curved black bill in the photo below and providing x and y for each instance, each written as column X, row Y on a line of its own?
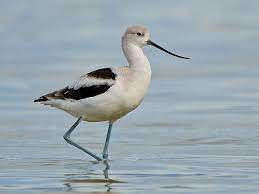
column 149, row 42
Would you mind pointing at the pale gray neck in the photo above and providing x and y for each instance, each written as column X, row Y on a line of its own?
column 135, row 57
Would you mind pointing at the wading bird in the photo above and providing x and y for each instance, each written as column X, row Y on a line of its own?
column 108, row 94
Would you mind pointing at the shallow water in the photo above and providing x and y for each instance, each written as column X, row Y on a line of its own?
column 197, row 130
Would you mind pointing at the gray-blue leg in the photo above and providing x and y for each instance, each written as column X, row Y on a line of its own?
column 68, row 139
column 105, row 149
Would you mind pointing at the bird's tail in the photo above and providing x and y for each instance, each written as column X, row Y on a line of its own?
column 41, row 99
column 56, row 95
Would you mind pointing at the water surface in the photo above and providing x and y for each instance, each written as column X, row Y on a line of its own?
column 197, row 130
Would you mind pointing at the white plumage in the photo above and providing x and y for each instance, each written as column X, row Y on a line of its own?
column 110, row 93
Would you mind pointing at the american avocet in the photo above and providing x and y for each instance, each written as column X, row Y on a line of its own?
column 110, row 93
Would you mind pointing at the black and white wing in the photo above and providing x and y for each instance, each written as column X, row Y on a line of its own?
column 92, row 84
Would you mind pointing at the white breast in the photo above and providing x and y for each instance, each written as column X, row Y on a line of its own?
column 134, row 85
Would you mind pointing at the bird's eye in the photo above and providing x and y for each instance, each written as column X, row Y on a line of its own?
column 139, row 34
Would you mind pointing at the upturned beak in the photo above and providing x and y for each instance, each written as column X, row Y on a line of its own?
column 149, row 42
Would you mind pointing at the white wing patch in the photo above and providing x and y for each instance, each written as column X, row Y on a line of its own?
column 87, row 81
column 89, row 85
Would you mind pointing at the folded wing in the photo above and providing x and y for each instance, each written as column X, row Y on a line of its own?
column 92, row 84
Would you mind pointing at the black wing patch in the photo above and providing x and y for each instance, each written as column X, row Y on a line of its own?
column 71, row 93
column 86, row 92
column 105, row 73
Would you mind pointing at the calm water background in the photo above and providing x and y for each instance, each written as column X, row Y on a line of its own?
column 197, row 130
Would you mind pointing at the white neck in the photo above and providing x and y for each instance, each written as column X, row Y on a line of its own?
column 135, row 57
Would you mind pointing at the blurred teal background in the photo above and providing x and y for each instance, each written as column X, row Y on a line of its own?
column 197, row 130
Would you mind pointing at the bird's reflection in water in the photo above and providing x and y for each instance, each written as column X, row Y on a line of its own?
column 106, row 175
column 84, row 177
column 68, row 187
